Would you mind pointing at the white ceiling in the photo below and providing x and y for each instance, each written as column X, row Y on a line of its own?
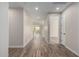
column 44, row 7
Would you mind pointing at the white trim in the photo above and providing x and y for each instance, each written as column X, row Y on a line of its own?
column 20, row 46
column 62, row 43
column 72, row 50
column 26, row 43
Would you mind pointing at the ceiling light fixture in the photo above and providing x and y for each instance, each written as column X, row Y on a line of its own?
column 57, row 8
column 36, row 8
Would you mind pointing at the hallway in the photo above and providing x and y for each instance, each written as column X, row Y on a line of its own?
column 43, row 29
column 42, row 49
column 39, row 29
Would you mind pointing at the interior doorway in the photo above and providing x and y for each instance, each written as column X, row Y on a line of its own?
column 54, row 28
column 36, row 31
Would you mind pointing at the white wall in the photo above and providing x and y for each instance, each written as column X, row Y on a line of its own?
column 27, row 28
column 71, row 18
column 20, row 27
column 54, row 25
column 15, row 27
column 4, row 29
column 63, row 32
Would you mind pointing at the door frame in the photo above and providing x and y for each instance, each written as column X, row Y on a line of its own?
column 59, row 30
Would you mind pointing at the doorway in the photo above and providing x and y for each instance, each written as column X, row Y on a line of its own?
column 36, row 34
column 54, row 28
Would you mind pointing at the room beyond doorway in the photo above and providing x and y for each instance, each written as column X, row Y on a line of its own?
column 54, row 28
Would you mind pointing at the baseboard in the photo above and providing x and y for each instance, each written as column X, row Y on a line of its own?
column 20, row 46
column 15, row 46
column 62, row 43
column 71, row 50
column 27, row 43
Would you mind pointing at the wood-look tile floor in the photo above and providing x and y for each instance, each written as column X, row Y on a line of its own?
column 41, row 49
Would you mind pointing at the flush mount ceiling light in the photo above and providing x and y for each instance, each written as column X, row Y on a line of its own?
column 36, row 8
column 57, row 8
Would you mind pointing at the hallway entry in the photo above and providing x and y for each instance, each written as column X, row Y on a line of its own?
column 54, row 28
